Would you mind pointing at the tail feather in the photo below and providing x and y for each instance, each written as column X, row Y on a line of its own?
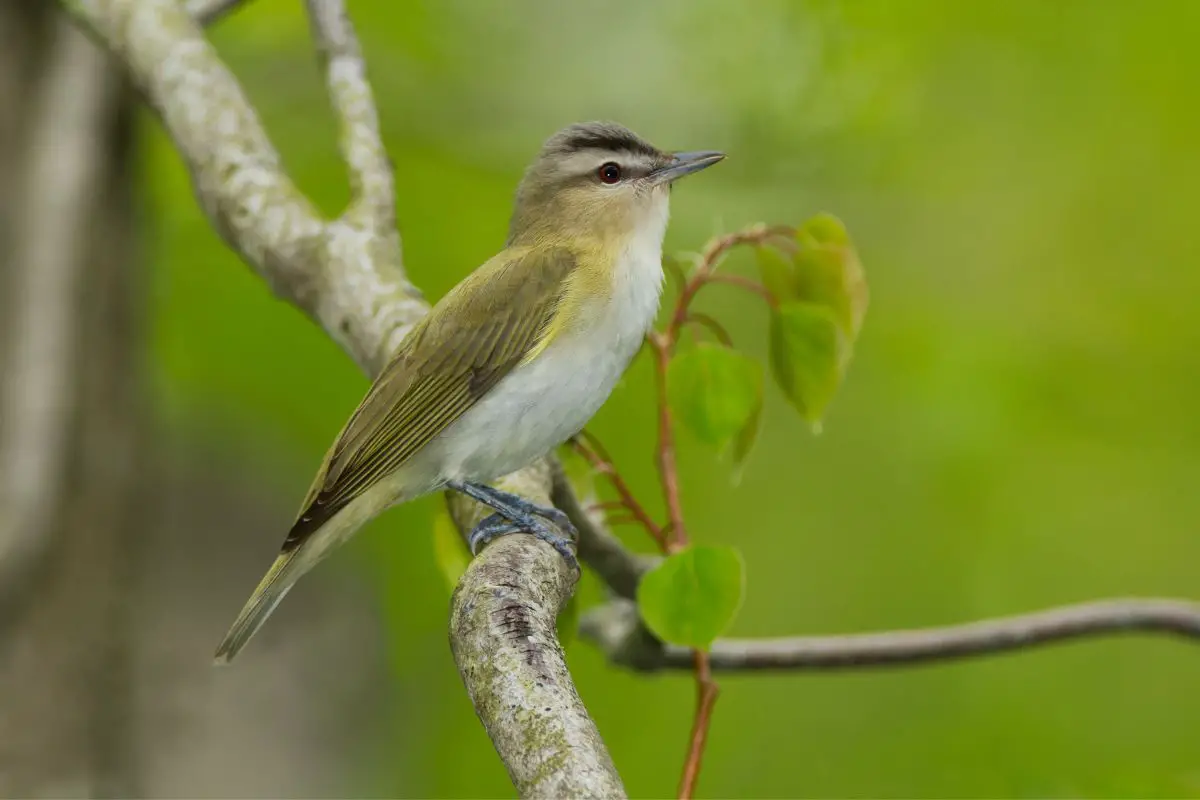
column 271, row 590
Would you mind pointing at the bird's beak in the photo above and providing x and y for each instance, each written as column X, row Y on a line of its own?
column 684, row 164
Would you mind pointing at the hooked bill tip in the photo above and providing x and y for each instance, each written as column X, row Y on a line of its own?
column 685, row 163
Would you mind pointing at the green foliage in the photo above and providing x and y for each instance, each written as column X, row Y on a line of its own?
column 717, row 393
column 805, row 355
column 828, row 271
column 692, row 596
column 777, row 272
column 817, row 282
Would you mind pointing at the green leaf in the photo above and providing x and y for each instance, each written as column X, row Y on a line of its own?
column 777, row 272
column 743, row 443
column 824, row 229
column 692, row 596
column 828, row 271
column 821, row 267
column 449, row 550
column 807, row 356
column 717, row 393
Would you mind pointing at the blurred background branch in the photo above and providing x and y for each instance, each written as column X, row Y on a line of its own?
column 617, row 630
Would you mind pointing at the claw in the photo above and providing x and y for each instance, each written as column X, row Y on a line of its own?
column 490, row 527
column 514, row 514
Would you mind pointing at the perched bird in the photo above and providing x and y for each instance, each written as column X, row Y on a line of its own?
column 510, row 364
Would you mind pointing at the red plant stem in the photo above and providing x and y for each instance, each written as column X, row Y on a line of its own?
column 703, row 273
column 673, row 536
column 749, row 284
column 706, row 697
column 705, row 321
column 662, row 344
column 603, row 465
column 706, row 688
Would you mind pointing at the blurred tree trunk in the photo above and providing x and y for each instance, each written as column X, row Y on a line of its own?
column 121, row 562
column 65, row 677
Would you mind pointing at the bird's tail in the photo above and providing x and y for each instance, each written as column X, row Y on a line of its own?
column 271, row 590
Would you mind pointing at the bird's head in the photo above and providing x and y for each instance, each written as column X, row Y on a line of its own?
column 599, row 181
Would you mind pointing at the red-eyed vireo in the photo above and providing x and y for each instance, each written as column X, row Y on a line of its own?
column 511, row 363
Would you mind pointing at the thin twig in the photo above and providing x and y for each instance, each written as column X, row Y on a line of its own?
column 742, row 282
column 371, row 181
column 615, row 629
column 715, row 327
column 706, row 697
column 667, row 471
column 617, row 566
column 595, row 454
column 706, row 266
column 663, row 346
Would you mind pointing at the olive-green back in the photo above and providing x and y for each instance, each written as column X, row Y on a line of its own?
column 463, row 347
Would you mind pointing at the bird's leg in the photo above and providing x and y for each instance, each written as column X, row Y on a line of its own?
column 521, row 514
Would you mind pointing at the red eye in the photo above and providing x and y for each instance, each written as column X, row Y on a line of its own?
column 609, row 172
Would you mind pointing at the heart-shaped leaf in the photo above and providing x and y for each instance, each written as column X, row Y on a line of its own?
column 806, row 356
column 777, row 272
column 828, row 271
column 692, row 596
column 743, row 443
column 717, row 393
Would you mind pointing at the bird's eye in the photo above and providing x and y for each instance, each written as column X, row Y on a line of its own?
column 610, row 172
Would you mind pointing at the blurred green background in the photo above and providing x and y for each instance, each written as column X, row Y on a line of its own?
column 1018, row 429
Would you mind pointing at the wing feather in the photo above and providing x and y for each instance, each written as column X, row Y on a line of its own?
column 465, row 346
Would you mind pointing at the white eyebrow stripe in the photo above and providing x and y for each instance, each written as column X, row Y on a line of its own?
column 590, row 159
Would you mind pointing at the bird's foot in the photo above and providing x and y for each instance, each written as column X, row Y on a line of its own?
column 515, row 514
column 496, row 525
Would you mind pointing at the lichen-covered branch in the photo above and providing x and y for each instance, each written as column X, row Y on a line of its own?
column 362, row 148
column 502, row 633
column 347, row 275
column 616, row 630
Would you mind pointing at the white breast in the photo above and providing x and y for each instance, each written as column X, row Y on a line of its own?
column 543, row 403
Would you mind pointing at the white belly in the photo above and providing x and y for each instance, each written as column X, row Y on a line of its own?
column 541, row 404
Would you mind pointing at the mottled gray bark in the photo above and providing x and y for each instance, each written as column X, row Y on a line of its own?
column 503, row 634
